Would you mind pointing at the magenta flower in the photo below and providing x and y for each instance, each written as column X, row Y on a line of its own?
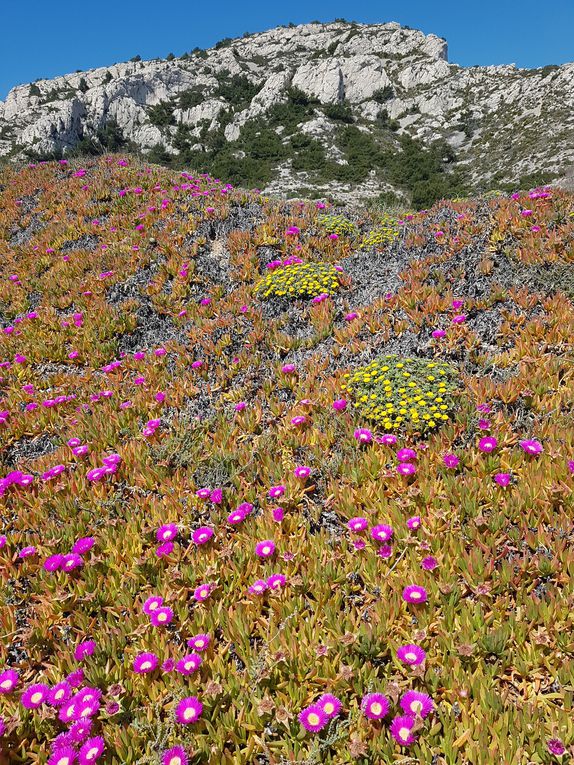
column 555, row 746
column 300, row 419
column 276, row 581
column 459, row 319
column 278, row 514
column 175, row 756
column 363, row 435
column 275, row 492
column 27, row 552
column 451, row 460
column 35, row 695
column 313, row 718
column 80, row 731
column 161, row 616
column 429, row 563
column 357, row 524
column 302, row 471
column 237, row 516
column 413, row 655
column 381, row 532
column 240, row 406
column 152, row 603
column 406, row 455
column 8, row 680
column 84, row 649
column 375, row 706
column 531, row 446
column 487, row 444
column 288, row 369
column 188, row 710
column 401, row 728
column 64, row 756
column 71, row 562
column 202, row 592
column 438, row 334
column 203, row 493
column 414, row 523
column 145, row 663
column 258, row 587
column 330, row 705
column 414, row 594
column 83, row 545
column 216, row 496
column 388, row 439
column 189, row 664
column 167, row 532
column 202, row 535
column 414, row 703
column 53, row 562
column 340, row 405
column 265, row 549
column 406, row 468
column 59, row 694
column 199, row 642
column 164, row 549
column 503, row 479
column 91, row 750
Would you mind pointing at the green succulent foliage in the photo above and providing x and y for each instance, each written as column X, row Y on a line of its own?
column 300, row 280
column 401, row 393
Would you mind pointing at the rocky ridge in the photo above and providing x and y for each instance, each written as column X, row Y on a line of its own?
column 501, row 121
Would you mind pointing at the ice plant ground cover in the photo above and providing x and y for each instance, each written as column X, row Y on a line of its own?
column 208, row 553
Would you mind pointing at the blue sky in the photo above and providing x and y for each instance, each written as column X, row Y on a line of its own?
column 43, row 39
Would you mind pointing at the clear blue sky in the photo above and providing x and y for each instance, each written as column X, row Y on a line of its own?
column 45, row 39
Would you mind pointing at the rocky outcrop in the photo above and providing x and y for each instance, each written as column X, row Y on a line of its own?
column 502, row 121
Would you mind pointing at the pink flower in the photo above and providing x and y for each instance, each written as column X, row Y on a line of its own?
column 413, row 655
column 429, row 563
column 363, row 435
column 302, row 471
column 502, row 479
column 451, row 460
column 313, row 718
column 288, row 369
column 202, row 535
column 459, row 319
column 278, row 514
column 414, row 594
column 161, row 616
column 406, row 455
column 275, row 492
column 531, row 446
column 188, row 710
column 401, row 728
column 406, row 468
column 265, row 549
column 487, row 444
column 381, row 533
column 202, row 592
column 357, row 524
column 145, row 663
column 340, row 405
column 414, row 523
column 375, row 706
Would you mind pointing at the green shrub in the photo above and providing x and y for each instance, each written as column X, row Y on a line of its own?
column 300, row 280
column 403, row 393
column 161, row 114
column 339, row 112
column 382, row 95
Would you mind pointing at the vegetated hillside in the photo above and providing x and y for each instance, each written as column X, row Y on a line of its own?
column 354, row 109
column 282, row 482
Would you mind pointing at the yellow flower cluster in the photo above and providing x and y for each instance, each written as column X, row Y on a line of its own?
column 385, row 233
column 337, row 224
column 300, row 280
column 403, row 393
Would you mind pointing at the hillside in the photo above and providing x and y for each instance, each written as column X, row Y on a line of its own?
column 282, row 482
column 350, row 109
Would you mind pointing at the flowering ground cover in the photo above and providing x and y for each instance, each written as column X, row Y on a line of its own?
column 229, row 531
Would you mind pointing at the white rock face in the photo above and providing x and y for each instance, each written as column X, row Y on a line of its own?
column 491, row 115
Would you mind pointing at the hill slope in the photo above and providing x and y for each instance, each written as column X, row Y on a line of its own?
column 210, row 508
column 309, row 106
